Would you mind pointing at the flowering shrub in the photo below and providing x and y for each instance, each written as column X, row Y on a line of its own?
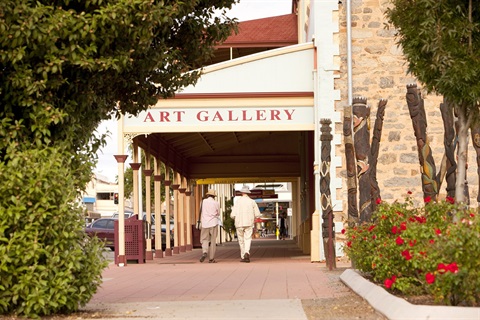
column 434, row 249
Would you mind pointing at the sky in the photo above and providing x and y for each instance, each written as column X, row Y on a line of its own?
column 245, row 10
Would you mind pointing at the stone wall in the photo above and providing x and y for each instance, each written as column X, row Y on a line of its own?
column 379, row 71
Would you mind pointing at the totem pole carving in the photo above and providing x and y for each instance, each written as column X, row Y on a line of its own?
column 475, row 131
column 351, row 167
column 419, row 122
column 328, row 231
column 377, row 134
column 449, row 165
column 361, row 138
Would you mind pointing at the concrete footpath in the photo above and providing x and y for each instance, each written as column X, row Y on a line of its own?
column 271, row 286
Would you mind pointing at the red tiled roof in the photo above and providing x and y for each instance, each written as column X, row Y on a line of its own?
column 277, row 31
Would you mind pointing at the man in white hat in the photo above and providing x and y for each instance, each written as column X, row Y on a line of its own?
column 244, row 213
column 210, row 216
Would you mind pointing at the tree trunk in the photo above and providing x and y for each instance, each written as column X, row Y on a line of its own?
column 449, row 165
column 462, row 155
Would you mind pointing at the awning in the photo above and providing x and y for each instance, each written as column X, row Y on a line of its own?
column 88, row 200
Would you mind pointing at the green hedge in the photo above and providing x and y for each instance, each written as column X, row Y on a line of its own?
column 47, row 264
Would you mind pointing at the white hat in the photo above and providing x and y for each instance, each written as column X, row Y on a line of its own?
column 245, row 189
column 211, row 192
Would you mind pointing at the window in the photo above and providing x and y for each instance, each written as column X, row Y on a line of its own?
column 104, row 195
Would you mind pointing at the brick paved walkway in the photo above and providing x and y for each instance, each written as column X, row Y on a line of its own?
column 278, row 273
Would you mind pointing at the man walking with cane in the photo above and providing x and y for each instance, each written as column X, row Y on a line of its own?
column 244, row 213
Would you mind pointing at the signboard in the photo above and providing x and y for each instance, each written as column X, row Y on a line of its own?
column 260, row 194
column 211, row 119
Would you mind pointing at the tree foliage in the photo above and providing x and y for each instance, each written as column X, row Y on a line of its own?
column 66, row 65
column 441, row 42
column 228, row 221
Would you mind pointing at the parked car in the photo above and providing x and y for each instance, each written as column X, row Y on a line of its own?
column 128, row 214
column 163, row 223
column 104, row 228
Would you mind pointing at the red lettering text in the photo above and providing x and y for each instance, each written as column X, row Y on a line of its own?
column 164, row 116
column 202, row 116
column 275, row 114
column 217, row 117
column 230, row 116
column 244, row 113
column 261, row 115
column 179, row 115
column 148, row 118
column 289, row 113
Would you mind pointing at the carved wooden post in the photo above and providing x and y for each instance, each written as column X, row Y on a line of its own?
column 326, row 201
column 377, row 134
column 419, row 122
column 361, row 123
column 475, row 131
column 449, row 165
column 351, row 168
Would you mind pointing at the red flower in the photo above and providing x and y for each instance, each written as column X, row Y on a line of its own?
column 412, row 243
column 438, row 232
column 378, row 201
column 371, row 227
column 403, row 226
column 430, row 278
column 442, row 268
column 452, row 267
column 388, row 283
column 411, row 219
column 450, row 200
column 427, row 199
column 349, row 244
column 421, row 219
column 343, row 231
column 395, row 230
column 383, row 217
column 374, row 237
column 406, row 254
column 399, row 240
column 431, row 241
column 399, row 213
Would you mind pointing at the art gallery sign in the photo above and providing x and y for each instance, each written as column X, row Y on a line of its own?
column 208, row 119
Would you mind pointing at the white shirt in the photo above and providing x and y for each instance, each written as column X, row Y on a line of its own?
column 210, row 212
column 245, row 211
